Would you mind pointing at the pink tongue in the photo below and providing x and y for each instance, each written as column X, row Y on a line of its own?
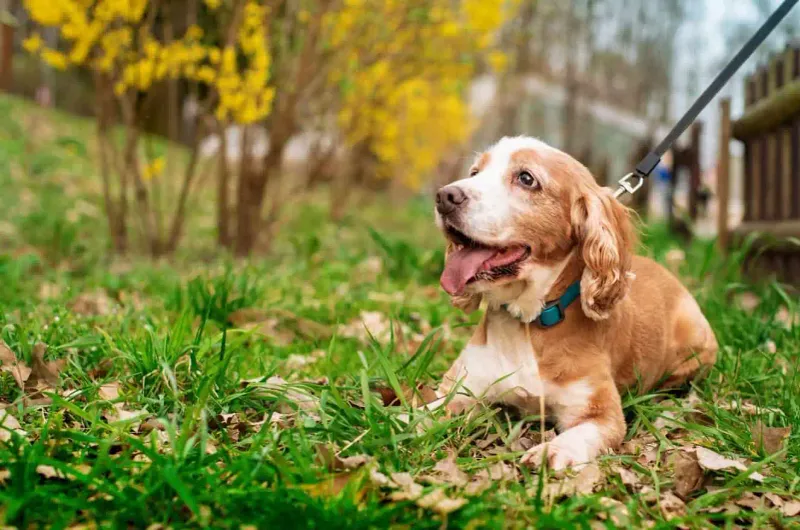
column 462, row 265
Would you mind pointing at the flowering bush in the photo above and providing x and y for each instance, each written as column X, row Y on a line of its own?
column 390, row 76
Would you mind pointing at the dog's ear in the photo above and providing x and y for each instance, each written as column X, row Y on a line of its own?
column 466, row 303
column 606, row 238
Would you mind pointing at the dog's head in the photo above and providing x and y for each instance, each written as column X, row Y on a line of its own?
column 526, row 205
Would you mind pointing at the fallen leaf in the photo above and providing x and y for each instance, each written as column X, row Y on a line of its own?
column 447, row 472
column 666, row 421
column 9, row 363
column 378, row 478
column 95, row 303
column 486, row 442
column 48, row 291
column 409, row 490
column 776, row 500
column 9, row 424
column 440, row 503
column 45, row 375
column 712, row 461
column 615, row 510
column 372, row 323
column 501, row 471
column 628, row 477
column 770, row 440
column 118, row 413
column 688, row 474
column 791, row 508
column 49, row 471
column 581, row 484
column 671, row 506
column 747, row 301
column 328, row 457
column 109, row 391
column 288, row 394
column 787, row 318
column 748, row 500
column 480, row 482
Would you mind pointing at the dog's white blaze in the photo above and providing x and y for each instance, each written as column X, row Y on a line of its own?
column 503, row 370
column 493, row 206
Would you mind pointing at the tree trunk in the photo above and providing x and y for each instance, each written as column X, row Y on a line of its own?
column 6, row 46
column 223, row 185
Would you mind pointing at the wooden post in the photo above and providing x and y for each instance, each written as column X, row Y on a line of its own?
column 6, row 45
column 723, row 173
column 694, row 169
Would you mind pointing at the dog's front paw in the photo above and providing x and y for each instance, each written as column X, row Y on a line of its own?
column 559, row 455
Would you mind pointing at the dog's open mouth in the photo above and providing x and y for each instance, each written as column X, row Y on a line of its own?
column 472, row 260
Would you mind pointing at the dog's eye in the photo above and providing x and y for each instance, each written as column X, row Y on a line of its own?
column 474, row 171
column 527, row 180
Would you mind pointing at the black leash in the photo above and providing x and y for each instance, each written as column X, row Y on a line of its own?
column 649, row 162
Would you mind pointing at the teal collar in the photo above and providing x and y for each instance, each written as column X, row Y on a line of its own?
column 553, row 312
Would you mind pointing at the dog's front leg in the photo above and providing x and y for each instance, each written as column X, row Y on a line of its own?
column 590, row 419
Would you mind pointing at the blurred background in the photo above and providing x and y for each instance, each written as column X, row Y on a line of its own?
column 201, row 123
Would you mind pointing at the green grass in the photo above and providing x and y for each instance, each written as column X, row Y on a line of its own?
column 209, row 449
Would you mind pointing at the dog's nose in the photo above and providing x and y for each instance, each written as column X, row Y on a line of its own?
column 449, row 199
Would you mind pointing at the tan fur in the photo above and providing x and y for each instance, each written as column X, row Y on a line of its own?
column 635, row 327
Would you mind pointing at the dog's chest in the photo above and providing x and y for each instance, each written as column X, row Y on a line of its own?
column 504, row 369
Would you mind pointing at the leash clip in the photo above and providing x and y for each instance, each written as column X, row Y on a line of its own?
column 625, row 184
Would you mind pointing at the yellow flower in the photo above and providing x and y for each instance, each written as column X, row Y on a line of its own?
column 55, row 59
column 154, row 169
column 33, row 43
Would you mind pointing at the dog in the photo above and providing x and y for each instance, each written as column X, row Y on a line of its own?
column 530, row 234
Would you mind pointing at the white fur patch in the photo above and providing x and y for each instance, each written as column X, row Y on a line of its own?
column 504, row 370
column 492, row 206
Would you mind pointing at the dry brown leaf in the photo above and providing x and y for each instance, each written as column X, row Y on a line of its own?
column 378, row 478
column 118, row 413
column 486, row 442
column 770, row 440
column 791, row 508
column 45, row 375
column 747, row 301
column 787, row 318
column 48, row 291
column 712, row 461
column 369, row 323
column 109, row 391
column 409, row 490
column 9, row 363
column 328, row 457
column 581, row 484
column 615, row 510
column 749, row 500
column 480, row 482
column 49, row 471
column 440, row 503
column 688, row 474
column 629, row 477
column 296, row 361
column 776, row 500
column 502, row 471
column 95, row 303
column 447, row 472
column 9, row 424
column 671, row 506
